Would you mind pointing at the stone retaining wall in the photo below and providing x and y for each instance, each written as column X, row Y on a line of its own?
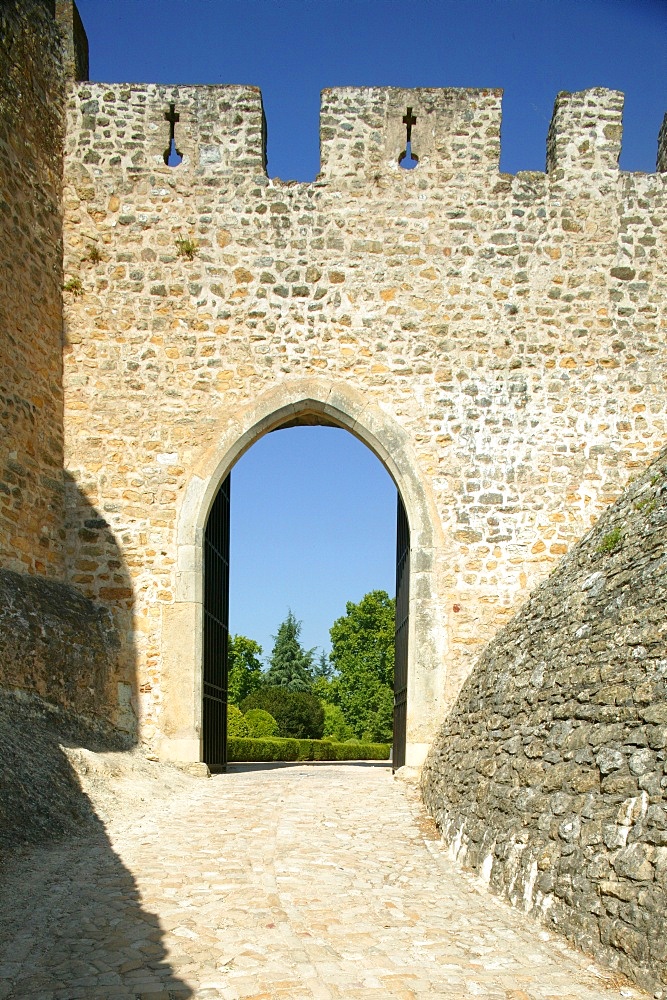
column 549, row 778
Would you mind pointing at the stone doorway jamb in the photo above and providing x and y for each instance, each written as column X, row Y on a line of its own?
column 308, row 400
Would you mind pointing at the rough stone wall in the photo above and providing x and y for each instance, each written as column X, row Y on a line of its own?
column 662, row 146
column 31, row 407
column 73, row 39
column 550, row 775
column 53, row 641
column 512, row 326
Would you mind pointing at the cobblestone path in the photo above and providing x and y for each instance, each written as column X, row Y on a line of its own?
column 296, row 882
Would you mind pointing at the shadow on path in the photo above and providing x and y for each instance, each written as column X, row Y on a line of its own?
column 76, row 929
column 72, row 926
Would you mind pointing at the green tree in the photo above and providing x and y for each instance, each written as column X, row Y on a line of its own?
column 290, row 665
column 335, row 725
column 245, row 668
column 362, row 654
column 322, row 677
column 379, row 725
column 322, row 689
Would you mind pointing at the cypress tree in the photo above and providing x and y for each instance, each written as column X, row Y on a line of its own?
column 290, row 666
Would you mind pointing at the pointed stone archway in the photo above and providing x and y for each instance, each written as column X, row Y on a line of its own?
column 301, row 401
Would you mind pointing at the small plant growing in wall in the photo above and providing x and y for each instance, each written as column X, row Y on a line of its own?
column 647, row 505
column 611, row 541
column 94, row 255
column 74, row 286
column 187, row 248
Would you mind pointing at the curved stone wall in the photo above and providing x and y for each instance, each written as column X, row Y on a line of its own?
column 549, row 778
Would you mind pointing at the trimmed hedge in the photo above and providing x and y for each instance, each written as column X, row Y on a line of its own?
column 276, row 748
column 268, row 748
column 299, row 714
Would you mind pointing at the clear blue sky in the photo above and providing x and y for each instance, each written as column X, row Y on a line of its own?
column 313, row 510
column 313, row 526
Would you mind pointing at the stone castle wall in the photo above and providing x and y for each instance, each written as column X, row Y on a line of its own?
column 549, row 777
column 506, row 332
column 498, row 341
column 59, row 645
column 53, row 640
column 32, row 91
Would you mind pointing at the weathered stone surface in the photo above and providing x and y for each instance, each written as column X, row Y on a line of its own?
column 550, row 775
column 196, row 768
column 53, row 640
column 41, row 799
column 31, row 394
column 492, row 321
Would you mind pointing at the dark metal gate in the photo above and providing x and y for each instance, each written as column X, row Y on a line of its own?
column 216, row 629
column 401, row 640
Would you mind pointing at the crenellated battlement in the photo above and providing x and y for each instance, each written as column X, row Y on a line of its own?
column 218, row 129
column 585, row 131
column 363, row 131
column 367, row 134
column 662, row 147
column 455, row 133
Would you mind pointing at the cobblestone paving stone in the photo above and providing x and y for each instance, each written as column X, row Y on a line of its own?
column 297, row 882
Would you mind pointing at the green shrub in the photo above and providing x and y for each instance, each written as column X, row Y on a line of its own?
column 236, row 724
column 323, row 750
column 648, row 505
column 362, row 751
column 298, row 713
column 94, row 255
column 277, row 749
column 260, row 723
